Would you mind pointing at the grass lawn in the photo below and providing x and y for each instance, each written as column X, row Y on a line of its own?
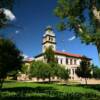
column 35, row 91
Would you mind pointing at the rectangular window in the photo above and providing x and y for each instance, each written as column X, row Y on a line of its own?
column 61, row 61
column 70, row 61
column 75, row 61
column 66, row 60
column 57, row 60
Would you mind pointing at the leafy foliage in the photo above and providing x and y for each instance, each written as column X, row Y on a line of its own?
column 25, row 69
column 40, row 70
column 82, row 16
column 49, row 55
column 84, row 70
column 59, row 71
column 10, row 58
column 8, row 4
column 96, row 72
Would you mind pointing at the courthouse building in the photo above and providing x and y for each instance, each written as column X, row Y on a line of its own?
column 68, row 60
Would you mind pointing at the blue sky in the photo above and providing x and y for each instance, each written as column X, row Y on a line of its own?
column 32, row 16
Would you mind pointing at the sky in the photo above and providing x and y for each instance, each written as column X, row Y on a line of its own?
column 32, row 17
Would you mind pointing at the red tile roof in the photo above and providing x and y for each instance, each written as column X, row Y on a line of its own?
column 68, row 54
column 65, row 54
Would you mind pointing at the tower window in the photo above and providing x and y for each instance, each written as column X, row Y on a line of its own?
column 50, row 38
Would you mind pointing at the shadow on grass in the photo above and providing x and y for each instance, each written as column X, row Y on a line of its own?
column 93, row 86
column 41, row 93
column 29, row 89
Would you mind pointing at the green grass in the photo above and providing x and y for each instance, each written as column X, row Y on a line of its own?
column 30, row 91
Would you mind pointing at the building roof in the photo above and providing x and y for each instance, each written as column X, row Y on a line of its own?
column 68, row 54
column 65, row 54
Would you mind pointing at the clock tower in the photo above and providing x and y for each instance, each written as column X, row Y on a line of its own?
column 48, row 39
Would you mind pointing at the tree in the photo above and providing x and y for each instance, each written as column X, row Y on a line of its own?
column 96, row 72
column 84, row 70
column 10, row 58
column 6, row 4
column 63, row 73
column 59, row 71
column 49, row 55
column 39, row 69
column 5, row 8
column 43, row 70
column 56, row 69
column 82, row 16
column 25, row 69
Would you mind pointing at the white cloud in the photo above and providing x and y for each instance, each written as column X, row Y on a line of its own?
column 9, row 15
column 72, row 38
column 17, row 31
column 25, row 56
column 63, row 50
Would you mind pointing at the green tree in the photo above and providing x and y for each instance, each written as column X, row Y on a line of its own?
column 40, row 70
column 84, row 70
column 59, row 71
column 63, row 73
column 56, row 69
column 96, row 72
column 10, row 58
column 25, row 69
column 49, row 55
column 82, row 16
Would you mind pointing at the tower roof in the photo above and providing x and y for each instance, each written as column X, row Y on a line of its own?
column 48, row 28
column 49, row 31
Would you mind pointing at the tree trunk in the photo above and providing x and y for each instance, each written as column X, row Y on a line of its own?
column 86, row 81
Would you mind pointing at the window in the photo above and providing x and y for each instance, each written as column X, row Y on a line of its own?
column 57, row 60
column 51, row 39
column 66, row 60
column 61, row 61
column 70, row 61
column 75, row 61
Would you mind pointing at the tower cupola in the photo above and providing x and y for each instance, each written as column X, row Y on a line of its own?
column 49, row 39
